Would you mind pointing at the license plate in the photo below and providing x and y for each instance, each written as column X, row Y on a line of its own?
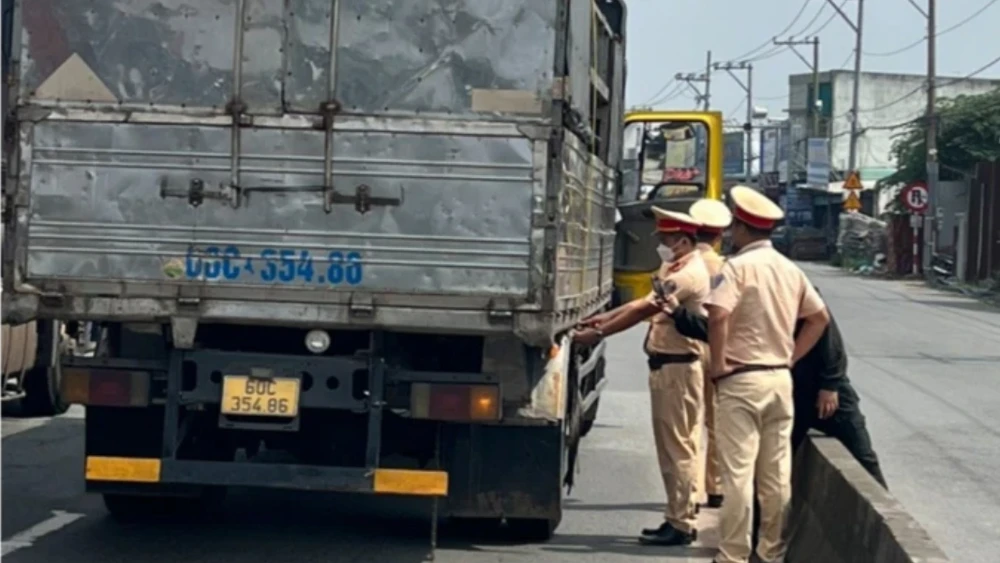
column 260, row 396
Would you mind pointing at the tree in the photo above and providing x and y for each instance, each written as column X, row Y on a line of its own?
column 968, row 133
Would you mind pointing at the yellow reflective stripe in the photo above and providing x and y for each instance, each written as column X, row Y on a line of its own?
column 410, row 482
column 125, row 469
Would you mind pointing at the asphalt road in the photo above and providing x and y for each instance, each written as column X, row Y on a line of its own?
column 47, row 518
column 926, row 364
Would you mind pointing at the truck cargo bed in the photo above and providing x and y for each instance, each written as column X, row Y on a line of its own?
column 360, row 163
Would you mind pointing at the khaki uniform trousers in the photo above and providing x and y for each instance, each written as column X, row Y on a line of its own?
column 754, row 429
column 713, row 476
column 676, row 396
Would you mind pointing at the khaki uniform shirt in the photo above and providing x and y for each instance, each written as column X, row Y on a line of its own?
column 693, row 284
column 713, row 262
column 765, row 294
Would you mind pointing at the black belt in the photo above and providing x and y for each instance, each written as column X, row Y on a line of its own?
column 657, row 361
column 748, row 368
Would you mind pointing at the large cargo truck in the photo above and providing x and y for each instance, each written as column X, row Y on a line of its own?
column 353, row 234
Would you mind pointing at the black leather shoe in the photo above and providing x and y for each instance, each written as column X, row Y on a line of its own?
column 714, row 501
column 656, row 531
column 667, row 535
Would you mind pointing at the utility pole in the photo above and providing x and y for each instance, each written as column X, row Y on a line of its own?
column 748, row 126
column 933, row 169
column 814, row 66
column 706, row 78
column 858, row 28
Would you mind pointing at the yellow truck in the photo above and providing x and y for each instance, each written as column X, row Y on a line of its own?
column 669, row 159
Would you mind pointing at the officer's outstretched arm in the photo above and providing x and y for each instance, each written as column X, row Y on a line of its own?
column 633, row 313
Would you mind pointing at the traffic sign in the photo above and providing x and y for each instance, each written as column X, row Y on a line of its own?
column 853, row 202
column 916, row 197
column 853, row 182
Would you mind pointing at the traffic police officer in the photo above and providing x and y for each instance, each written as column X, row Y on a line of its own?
column 753, row 309
column 675, row 374
column 715, row 218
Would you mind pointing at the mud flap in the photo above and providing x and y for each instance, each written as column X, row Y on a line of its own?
column 573, row 424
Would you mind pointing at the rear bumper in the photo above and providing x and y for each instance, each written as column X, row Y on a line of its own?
column 102, row 471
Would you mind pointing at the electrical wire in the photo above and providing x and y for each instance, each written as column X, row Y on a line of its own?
column 920, row 88
column 778, row 49
column 832, row 17
column 677, row 91
column 949, row 29
column 819, row 13
column 850, row 56
column 660, row 91
column 767, row 43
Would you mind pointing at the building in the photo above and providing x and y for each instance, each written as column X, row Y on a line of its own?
column 886, row 102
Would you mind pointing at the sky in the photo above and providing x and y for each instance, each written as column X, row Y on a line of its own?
column 670, row 36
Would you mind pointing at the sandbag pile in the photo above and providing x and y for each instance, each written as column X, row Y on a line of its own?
column 861, row 238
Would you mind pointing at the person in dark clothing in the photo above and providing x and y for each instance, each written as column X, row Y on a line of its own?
column 824, row 398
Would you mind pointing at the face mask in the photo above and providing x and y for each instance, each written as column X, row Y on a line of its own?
column 666, row 253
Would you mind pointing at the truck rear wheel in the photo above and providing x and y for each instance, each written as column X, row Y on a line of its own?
column 41, row 388
column 41, row 384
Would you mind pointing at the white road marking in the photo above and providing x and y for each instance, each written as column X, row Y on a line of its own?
column 60, row 519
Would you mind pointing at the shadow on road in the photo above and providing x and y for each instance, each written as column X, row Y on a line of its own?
column 965, row 304
column 43, row 471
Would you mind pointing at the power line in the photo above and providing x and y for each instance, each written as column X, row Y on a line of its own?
column 819, row 13
column 767, row 43
column 660, row 91
column 677, row 91
column 778, row 50
column 847, row 60
column 920, row 88
column 909, row 46
column 768, row 55
column 828, row 21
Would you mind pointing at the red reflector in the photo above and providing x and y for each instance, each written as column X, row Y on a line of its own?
column 110, row 389
column 449, row 402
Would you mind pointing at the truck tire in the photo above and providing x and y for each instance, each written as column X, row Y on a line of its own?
column 41, row 384
column 41, row 388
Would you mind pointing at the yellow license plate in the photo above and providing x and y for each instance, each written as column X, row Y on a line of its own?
column 260, row 396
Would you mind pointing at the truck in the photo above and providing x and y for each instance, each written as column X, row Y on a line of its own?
column 670, row 159
column 331, row 246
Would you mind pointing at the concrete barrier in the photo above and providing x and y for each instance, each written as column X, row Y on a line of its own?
column 840, row 514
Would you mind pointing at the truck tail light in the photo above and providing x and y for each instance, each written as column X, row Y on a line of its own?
column 459, row 403
column 105, row 387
